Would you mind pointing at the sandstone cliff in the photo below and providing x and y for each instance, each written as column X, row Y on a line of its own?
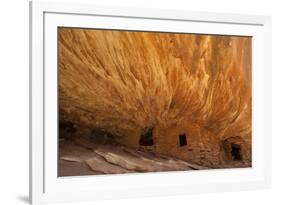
column 120, row 82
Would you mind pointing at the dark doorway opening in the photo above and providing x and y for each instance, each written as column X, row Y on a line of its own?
column 146, row 138
column 236, row 152
column 182, row 139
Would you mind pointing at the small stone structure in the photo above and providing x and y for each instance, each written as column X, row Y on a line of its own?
column 193, row 144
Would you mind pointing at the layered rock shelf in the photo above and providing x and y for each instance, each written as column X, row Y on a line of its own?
column 93, row 159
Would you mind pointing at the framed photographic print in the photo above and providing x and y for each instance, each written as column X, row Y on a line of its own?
column 129, row 102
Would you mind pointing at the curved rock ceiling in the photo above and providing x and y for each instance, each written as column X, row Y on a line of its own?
column 122, row 81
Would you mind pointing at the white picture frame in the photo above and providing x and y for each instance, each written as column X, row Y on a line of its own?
column 46, row 187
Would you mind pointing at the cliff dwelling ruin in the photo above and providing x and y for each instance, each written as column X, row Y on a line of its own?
column 133, row 101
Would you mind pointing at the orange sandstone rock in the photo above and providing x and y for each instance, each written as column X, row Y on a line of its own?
column 197, row 86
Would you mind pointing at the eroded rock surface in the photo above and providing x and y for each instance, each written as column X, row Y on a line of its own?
column 117, row 159
column 121, row 84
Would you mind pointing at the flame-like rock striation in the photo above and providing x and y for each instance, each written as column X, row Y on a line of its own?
column 120, row 81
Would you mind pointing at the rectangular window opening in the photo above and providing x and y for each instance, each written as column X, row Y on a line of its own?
column 182, row 140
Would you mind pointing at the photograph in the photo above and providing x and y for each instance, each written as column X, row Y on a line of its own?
column 151, row 101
